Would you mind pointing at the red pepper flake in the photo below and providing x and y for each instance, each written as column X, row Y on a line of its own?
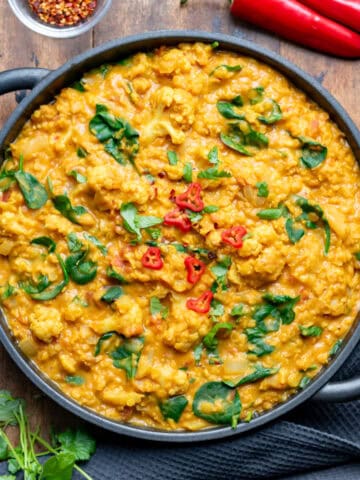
column 152, row 259
column 234, row 236
column 201, row 304
column 195, row 268
column 191, row 198
column 179, row 219
column 63, row 13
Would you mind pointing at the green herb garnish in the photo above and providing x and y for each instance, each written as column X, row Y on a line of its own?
column 263, row 189
column 78, row 176
column 259, row 373
column 133, row 222
column 172, row 157
column 313, row 331
column 157, row 308
column 63, row 204
column 273, row 116
column 173, row 407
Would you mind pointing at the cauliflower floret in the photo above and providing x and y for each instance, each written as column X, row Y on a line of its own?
column 15, row 223
column 114, row 184
column 172, row 61
column 73, row 311
column 127, row 320
column 45, row 323
column 117, row 396
column 184, row 327
column 57, row 223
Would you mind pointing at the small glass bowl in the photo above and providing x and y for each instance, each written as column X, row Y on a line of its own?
column 25, row 14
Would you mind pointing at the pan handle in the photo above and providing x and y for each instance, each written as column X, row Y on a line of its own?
column 340, row 391
column 21, row 79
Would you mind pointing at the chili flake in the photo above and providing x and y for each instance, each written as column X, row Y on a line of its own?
column 63, row 12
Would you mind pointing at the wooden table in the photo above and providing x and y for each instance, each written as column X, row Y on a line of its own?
column 20, row 47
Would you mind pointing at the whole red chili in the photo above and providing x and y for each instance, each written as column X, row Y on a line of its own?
column 63, row 12
column 195, row 268
column 299, row 23
column 343, row 11
column 179, row 219
column 234, row 236
column 201, row 304
column 152, row 258
column 191, row 198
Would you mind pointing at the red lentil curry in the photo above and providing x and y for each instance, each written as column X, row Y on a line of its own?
column 179, row 237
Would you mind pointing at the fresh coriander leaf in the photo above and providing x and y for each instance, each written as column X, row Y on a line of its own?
column 78, row 176
column 226, row 109
column 195, row 217
column 213, row 156
column 7, row 477
column 198, row 353
column 147, row 221
column 81, row 152
column 62, row 203
column 210, row 341
column 256, row 95
column 76, row 442
column 155, row 233
column 259, row 373
column 227, row 400
column 217, row 308
column 96, row 242
column 75, row 379
column 9, row 408
column 263, row 189
column 273, row 116
column 74, row 244
column 187, row 172
column 173, row 407
column 229, row 68
column 294, row 234
column 133, row 222
column 4, row 450
column 45, row 242
column 156, row 308
column 213, row 173
column 112, row 294
column 220, row 270
column 172, row 157
column 313, row 331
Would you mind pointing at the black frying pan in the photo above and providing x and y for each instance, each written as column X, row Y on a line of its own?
column 45, row 85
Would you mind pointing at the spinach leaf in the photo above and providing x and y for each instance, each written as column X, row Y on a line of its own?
column 259, row 373
column 284, row 306
column 75, row 380
column 58, row 467
column 336, row 347
column 225, row 403
column 111, row 273
column 74, row 244
column 49, row 294
column 106, row 336
column 172, row 157
column 63, row 205
column 313, row 153
column 226, row 109
column 214, row 45
column 313, row 331
column 256, row 95
column 156, row 308
column 76, row 442
column 273, row 116
column 213, row 173
column 81, row 152
column 256, row 337
column 81, row 271
column 133, row 222
column 237, row 101
column 34, row 193
column 210, row 341
column 31, row 288
column 78, row 85
column 220, row 270
column 263, row 189
column 307, row 208
column 229, row 68
column 234, row 143
column 127, row 356
column 112, row 294
column 96, row 242
column 357, row 255
column 187, row 172
column 173, row 407
column 304, row 382
column 237, row 310
column 210, row 209
column 213, row 156
column 78, row 176
column 294, row 234
column 241, row 134
column 45, row 242
column 8, row 290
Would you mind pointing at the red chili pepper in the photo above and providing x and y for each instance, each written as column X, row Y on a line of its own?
column 201, row 304
column 152, row 258
column 301, row 24
column 179, row 219
column 195, row 268
column 343, row 11
column 234, row 236
column 191, row 198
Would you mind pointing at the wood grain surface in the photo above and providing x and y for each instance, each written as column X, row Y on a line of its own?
column 20, row 47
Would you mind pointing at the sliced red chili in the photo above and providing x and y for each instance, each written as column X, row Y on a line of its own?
column 191, row 199
column 195, row 268
column 179, row 219
column 201, row 304
column 152, row 258
column 234, row 236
